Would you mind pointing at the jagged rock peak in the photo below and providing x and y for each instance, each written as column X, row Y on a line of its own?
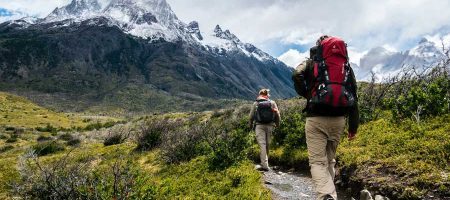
column 76, row 8
column 193, row 25
column 423, row 40
column 79, row 6
column 218, row 29
column 159, row 8
column 227, row 35
column 194, row 29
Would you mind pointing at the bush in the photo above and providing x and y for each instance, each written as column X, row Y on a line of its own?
column 184, row 144
column 46, row 148
column 49, row 128
column 292, row 127
column 74, row 142
column 117, row 135
column 9, row 128
column 6, row 148
column 98, row 125
column 66, row 137
column 422, row 99
column 229, row 148
column 70, row 178
column 13, row 138
column 151, row 131
column 43, row 138
column 3, row 137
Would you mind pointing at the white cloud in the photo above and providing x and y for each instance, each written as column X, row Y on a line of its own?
column 292, row 57
column 39, row 8
column 363, row 24
column 355, row 55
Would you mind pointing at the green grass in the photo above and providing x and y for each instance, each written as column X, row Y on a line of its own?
column 409, row 158
column 190, row 180
column 193, row 180
column 19, row 112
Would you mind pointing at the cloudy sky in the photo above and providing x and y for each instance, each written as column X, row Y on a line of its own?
column 287, row 28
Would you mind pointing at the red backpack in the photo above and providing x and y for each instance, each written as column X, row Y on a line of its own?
column 331, row 88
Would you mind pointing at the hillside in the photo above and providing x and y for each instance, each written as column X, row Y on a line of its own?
column 17, row 111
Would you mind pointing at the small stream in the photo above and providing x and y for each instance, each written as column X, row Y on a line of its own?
column 293, row 186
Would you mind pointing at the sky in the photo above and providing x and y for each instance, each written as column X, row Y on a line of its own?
column 288, row 28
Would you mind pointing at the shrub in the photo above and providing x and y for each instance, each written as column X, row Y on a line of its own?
column 49, row 147
column 292, row 127
column 13, row 138
column 9, row 128
column 3, row 137
column 183, row 144
column 43, row 138
column 66, row 137
column 117, row 135
column 49, row 128
column 422, row 99
column 70, row 178
column 74, row 142
column 229, row 148
column 6, row 148
column 151, row 131
column 19, row 131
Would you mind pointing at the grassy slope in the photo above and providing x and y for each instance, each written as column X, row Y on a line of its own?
column 191, row 180
column 405, row 158
column 18, row 112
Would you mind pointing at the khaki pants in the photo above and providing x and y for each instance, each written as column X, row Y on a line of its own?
column 322, row 137
column 263, row 133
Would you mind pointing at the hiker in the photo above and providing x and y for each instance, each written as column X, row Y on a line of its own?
column 265, row 115
column 328, row 83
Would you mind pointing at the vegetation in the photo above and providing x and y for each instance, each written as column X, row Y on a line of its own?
column 16, row 111
column 401, row 150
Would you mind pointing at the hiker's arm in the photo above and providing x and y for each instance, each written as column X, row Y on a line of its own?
column 251, row 116
column 299, row 77
column 277, row 114
column 353, row 118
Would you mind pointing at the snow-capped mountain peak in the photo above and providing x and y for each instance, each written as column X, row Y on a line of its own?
column 385, row 63
column 77, row 8
column 226, row 35
column 152, row 20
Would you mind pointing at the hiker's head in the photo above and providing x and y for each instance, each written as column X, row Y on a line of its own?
column 321, row 38
column 264, row 92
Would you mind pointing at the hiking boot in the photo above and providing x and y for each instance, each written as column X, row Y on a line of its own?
column 328, row 197
column 263, row 169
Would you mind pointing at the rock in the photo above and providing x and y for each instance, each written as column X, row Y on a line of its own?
column 379, row 197
column 365, row 195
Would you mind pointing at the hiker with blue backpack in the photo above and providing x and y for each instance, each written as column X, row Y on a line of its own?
column 328, row 83
column 265, row 115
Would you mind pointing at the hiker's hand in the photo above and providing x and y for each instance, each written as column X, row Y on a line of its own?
column 351, row 135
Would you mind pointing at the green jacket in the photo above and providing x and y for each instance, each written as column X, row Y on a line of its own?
column 303, row 77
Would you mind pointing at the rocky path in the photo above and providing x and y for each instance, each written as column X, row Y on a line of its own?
column 289, row 186
column 293, row 186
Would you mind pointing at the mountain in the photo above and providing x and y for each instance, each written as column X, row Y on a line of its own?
column 132, row 54
column 385, row 63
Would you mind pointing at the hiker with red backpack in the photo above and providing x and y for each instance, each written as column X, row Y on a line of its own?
column 328, row 83
column 265, row 115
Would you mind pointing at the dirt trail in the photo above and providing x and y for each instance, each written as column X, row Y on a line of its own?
column 289, row 186
column 293, row 186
